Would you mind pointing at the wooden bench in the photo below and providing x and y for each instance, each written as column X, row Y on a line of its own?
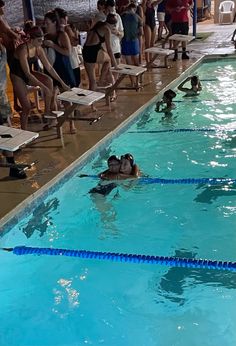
column 156, row 51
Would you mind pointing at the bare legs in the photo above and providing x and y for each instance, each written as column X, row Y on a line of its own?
column 150, row 36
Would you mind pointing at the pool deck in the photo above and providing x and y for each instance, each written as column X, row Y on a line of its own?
column 47, row 150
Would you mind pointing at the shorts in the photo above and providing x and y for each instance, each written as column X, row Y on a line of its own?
column 161, row 16
column 5, row 109
column 117, row 55
column 130, row 48
column 180, row 28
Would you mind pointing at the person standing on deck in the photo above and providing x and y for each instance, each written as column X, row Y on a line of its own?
column 178, row 10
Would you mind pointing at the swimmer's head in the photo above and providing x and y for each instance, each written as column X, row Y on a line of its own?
column 194, row 80
column 127, row 163
column 169, row 95
column 114, row 164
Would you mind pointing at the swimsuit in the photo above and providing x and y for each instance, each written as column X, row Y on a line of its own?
column 90, row 53
column 16, row 69
column 150, row 18
column 63, row 68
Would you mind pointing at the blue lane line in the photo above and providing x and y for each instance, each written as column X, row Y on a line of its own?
column 183, row 130
column 182, row 181
column 123, row 257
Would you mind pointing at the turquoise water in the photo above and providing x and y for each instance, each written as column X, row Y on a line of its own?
column 49, row 301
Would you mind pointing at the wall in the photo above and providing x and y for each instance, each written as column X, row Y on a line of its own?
column 14, row 12
column 79, row 11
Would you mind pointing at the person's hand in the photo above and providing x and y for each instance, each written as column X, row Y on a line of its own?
column 48, row 43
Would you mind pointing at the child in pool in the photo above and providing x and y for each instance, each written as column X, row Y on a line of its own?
column 166, row 105
column 195, row 89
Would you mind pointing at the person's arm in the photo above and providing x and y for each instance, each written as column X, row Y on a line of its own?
column 44, row 60
column 136, row 171
column 119, row 31
column 65, row 48
column 181, row 86
column 107, row 35
column 199, row 86
column 22, row 54
column 72, row 36
column 158, row 105
column 157, row 2
column 140, row 26
column 4, row 27
column 144, row 5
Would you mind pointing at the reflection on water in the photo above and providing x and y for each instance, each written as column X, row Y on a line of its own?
column 104, row 204
column 41, row 218
column 211, row 193
column 104, row 153
column 173, row 283
column 146, row 118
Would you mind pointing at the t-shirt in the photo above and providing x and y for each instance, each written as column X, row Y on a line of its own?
column 181, row 15
column 115, row 40
column 75, row 60
column 131, row 23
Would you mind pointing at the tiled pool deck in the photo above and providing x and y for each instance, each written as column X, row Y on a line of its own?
column 53, row 159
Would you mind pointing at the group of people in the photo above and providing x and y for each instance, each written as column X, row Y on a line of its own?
column 166, row 105
column 119, row 168
column 47, row 56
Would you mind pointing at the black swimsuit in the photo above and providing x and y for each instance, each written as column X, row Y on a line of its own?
column 16, row 69
column 150, row 18
column 90, row 53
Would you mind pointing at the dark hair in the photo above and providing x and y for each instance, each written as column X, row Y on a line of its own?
column 2, row 3
column 28, row 24
column 170, row 94
column 129, row 157
column 110, row 3
column 111, row 18
column 131, row 6
column 61, row 12
column 101, row 2
column 54, row 17
column 194, row 80
column 113, row 158
column 35, row 32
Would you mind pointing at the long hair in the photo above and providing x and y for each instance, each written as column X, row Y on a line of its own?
column 54, row 17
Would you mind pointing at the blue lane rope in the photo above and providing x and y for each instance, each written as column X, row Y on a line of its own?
column 184, row 181
column 196, row 100
column 122, row 257
column 183, row 130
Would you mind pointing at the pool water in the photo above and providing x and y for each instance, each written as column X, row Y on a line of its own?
column 49, row 301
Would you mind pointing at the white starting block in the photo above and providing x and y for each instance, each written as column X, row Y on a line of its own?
column 54, row 115
column 155, row 51
column 76, row 97
column 182, row 38
column 12, row 139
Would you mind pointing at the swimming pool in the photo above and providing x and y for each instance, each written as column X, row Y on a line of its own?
column 64, row 301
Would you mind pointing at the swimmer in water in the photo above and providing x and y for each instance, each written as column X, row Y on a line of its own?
column 128, row 168
column 166, row 105
column 195, row 89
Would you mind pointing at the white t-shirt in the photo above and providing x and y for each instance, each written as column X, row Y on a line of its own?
column 75, row 56
column 115, row 40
